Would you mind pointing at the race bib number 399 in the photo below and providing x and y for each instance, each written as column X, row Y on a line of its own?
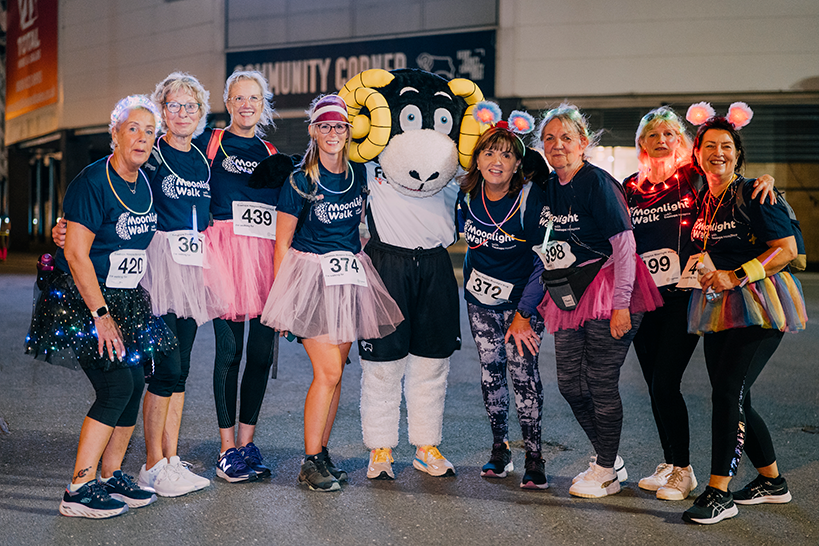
column 187, row 247
column 254, row 219
column 664, row 266
column 127, row 267
column 342, row 268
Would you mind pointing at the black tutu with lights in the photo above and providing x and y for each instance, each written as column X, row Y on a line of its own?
column 63, row 332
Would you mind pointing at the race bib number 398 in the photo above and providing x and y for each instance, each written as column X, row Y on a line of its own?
column 557, row 255
column 126, row 269
column 342, row 268
column 254, row 219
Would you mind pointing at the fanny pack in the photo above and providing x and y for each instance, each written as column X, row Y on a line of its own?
column 566, row 286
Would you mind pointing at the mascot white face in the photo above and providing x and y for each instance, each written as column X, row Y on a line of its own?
column 417, row 125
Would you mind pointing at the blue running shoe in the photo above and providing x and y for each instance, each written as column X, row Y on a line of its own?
column 253, row 459
column 122, row 488
column 91, row 501
column 233, row 468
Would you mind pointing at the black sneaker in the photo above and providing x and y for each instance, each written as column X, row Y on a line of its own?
column 253, row 459
column 535, row 475
column 339, row 474
column 314, row 474
column 763, row 490
column 712, row 506
column 500, row 462
column 91, row 501
column 122, row 488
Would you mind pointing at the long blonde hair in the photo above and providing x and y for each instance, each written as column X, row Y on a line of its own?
column 310, row 163
column 652, row 120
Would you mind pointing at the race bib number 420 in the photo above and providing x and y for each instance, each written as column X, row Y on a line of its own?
column 488, row 290
column 187, row 247
column 342, row 268
column 254, row 219
column 126, row 269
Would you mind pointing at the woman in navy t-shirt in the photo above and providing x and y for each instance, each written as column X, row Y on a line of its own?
column 498, row 213
column 326, row 290
column 95, row 314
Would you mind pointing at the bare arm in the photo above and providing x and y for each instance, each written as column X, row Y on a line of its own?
column 78, row 241
column 725, row 280
column 285, row 229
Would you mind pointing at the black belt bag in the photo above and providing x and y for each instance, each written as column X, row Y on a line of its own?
column 566, row 286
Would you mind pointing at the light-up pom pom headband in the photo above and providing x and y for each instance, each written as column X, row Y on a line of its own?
column 521, row 122
column 487, row 112
column 739, row 115
column 699, row 112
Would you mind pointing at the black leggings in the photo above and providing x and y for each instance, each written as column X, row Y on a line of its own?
column 172, row 370
column 260, row 347
column 664, row 347
column 118, row 394
column 735, row 359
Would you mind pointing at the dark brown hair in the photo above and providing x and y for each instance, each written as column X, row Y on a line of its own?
column 496, row 138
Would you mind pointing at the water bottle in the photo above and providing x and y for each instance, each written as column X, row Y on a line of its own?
column 45, row 269
column 710, row 295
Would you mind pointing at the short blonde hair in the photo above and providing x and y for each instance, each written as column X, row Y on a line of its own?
column 652, row 120
column 123, row 109
column 268, row 112
column 180, row 81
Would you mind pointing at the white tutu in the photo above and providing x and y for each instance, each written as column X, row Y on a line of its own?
column 300, row 303
column 176, row 288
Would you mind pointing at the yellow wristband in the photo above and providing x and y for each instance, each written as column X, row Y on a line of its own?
column 754, row 270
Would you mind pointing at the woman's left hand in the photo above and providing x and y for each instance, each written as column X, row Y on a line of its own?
column 521, row 330
column 764, row 188
column 620, row 322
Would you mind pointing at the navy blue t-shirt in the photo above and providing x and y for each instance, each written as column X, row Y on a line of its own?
column 504, row 255
column 732, row 241
column 180, row 183
column 230, row 173
column 332, row 222
column 90, row 201
column 586, row 212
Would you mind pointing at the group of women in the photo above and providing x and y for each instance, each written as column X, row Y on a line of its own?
column 143, row 266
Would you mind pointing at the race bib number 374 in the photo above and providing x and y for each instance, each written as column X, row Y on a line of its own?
column 342, row 268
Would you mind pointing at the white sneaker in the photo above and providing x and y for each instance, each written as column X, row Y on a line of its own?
column 428, row 459
column 183, row 468
column 165, row 480
column 380, row 467
column 597, row 482
column 658, row 479
column 619, row 467
column 681, row 483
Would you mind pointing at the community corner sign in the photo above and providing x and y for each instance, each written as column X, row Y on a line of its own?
column 298, row 74
column 31, row 56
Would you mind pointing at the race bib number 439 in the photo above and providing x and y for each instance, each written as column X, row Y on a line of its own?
column 342, row 268
column 127, row 267
column 254, row 219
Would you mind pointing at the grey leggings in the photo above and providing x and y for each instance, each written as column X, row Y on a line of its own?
column 588, row 374
column 489, row 328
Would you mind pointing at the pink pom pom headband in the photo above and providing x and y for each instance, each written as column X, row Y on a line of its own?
column 739, row 114
column 519, row 122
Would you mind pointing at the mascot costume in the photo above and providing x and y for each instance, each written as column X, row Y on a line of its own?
column 411, row 129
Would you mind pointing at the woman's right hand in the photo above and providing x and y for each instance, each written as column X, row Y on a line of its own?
column 109, row 337
column 58, row 232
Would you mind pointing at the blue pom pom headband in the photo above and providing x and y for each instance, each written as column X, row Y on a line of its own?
column 518, row 123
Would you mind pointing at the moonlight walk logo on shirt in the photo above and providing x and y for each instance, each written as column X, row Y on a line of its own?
column 175, row 187
column 327, row 213
column 129, row 225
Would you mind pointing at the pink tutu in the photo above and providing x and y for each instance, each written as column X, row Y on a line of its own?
column 596, row 301
column 775, row 302
column 240, row 270
column 300, row 303
column 177, row 288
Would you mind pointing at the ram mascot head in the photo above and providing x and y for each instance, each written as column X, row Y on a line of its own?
column 416, row 124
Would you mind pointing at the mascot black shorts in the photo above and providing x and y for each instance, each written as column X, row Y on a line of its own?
column 423, row 285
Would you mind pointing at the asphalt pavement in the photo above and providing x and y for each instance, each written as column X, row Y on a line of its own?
column 44, row 406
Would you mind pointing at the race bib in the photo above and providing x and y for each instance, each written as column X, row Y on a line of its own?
column 342, row 268
column 488, row 290
column 558, row 255
column 254, row 219
column 689, row 277
column 664, row 266
column 126, row 269
column 187, row 247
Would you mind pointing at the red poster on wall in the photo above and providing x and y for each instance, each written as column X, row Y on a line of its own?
column 31, row 56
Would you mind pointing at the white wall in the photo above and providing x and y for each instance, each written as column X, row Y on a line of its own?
column 551, row 48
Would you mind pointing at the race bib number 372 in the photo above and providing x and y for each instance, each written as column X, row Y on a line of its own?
column 254, row 219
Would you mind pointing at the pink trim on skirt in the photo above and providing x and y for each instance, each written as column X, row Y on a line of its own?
column 240, row 270
column 300, row 303
column 176, row 288
column 596, row 301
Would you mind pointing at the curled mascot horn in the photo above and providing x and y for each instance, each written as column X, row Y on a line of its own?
column 358, row 93
column 470, row 127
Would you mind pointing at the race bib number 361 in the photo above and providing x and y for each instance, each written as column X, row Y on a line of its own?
column 342, row 268
column 127, row 267
column 187, row 247
column 254, row 219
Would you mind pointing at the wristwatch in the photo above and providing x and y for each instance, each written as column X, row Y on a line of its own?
column 741, row 275
column 101, row 312
column 524, row 314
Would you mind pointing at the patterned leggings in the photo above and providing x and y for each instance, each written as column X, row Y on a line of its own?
column 489, row 328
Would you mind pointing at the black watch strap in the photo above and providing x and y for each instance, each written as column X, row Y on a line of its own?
column 524, row 314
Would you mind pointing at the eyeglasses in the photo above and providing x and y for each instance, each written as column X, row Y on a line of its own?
column 190, row 107
column 239, row 99
column 324, row 128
